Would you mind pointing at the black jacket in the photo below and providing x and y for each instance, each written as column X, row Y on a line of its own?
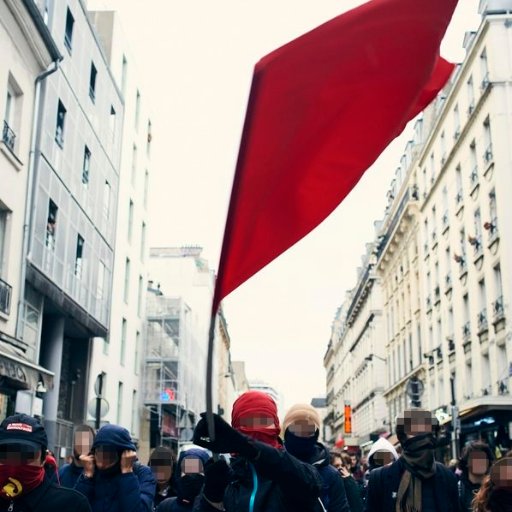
column 467, row 492
column 384, row 482
column 278, row 481
column 48, row 497
column 353, row 492
column 333, row 493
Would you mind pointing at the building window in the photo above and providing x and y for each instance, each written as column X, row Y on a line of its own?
column 100, row 284
column 484, row 70
column 51, row 225
column 137, row 110
column 68, row 36
column 471, row 95
column 143, row 241
column 112, row 124
column 135, row 412
column 149, row 139
column 473, row 177
column 146, row 188
column 124, row 73
column 106, row 199
column 106, row 345
column 127, row 280
column 86, row 167
column 456, row 122
column 130, row 221
column 61, row 118
column 137, row 351
column 487, row 141
column 92, row 82
column 79, row 255
column 4, row 215
column 12, row 118
column 140, row 295
column 119, row 402
column 134, row 163
column 122, row 354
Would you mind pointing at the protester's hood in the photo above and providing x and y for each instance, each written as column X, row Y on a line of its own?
column 114, row 435
column 197, row 453
column 384, row 445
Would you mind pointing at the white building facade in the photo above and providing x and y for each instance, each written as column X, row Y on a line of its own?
column 116, row 358
column 442, row 255
column 28, row 51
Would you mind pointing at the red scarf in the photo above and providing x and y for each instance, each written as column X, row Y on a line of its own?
column 17, row 480
column 256, row 403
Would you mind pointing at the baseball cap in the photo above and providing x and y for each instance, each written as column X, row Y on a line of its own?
column 25, row 430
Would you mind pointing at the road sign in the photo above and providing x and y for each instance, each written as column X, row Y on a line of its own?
column 104, row 407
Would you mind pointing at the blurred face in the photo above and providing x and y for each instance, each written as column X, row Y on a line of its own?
column 337, row 463
column 416, row 423
column 257, row 421
column 162, row 470
column 478, row 463
column 105, row 457
column 191, row 466
column 353, row 460
column 19, row 455
column 82, row 443
column 382, row 457
column 501, row 473
column 302, row 428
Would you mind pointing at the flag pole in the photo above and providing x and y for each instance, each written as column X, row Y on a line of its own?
column 209, row 378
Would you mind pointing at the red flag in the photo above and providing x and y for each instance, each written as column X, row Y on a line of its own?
column 321, row 110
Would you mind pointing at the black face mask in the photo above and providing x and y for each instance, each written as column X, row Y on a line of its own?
column 300, row 447
column 189, row 486
column 419, row 443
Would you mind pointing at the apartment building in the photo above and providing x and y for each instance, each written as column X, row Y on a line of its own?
column 465, row 235
column 116, row 360
column 442, row 255
column 29, row 56
column 73, row 212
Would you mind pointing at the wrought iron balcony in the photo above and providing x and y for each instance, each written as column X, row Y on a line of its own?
column 482, row 320
column 5, row 297
column 498, row 309
column 8, row 136
column 466, row 332
column 488, row 154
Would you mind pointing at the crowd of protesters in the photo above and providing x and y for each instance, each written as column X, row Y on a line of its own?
column 254, row 464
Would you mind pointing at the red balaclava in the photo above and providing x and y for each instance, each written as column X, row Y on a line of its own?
column 252, row 404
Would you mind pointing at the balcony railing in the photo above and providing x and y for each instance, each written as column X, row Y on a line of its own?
column 482, row 320
column 8, row 136
column 5, row 297
column 497, row 309
column 488, row 154
column 466, row 332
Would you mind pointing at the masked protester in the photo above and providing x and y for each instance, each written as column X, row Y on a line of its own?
column 263, row 477
column 83, row 438
column 415, row 482
column 113, row 479
column 162, row 464
column 475, row 463
column 495, row 493
column 189, row 481
column 301, row 427
column 24, row 485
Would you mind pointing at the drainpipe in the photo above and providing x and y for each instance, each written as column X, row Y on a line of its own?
column 30, row 192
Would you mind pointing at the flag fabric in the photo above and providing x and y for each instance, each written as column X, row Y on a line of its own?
column 321, row 110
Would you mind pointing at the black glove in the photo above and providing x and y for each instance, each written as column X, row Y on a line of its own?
column 216, row 479
column 227, row 439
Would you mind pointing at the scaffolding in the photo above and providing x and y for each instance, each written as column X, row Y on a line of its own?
column 167, row 371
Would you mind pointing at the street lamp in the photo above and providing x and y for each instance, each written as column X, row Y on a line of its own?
column 371, row 356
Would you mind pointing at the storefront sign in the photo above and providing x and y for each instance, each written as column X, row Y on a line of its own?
column 12, row 370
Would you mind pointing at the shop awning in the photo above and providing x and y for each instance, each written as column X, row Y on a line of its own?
column 25, row 374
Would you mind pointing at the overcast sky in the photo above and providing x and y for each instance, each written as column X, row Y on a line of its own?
column 197, row 58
